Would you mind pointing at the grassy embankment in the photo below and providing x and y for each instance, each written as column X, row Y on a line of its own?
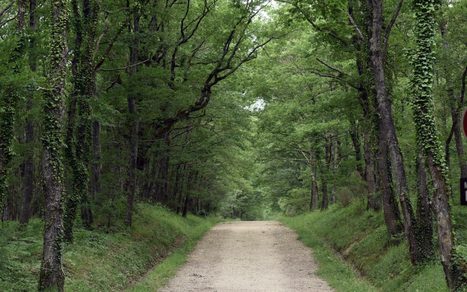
column 371, row 263
column 100, row 261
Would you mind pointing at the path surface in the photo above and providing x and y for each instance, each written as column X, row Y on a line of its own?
column 254, row 256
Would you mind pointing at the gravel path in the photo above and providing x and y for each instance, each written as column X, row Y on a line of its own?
column 248, row 256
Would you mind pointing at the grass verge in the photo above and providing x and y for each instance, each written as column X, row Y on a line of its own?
column 161, row 274
column 100, row 261
column 354, row 254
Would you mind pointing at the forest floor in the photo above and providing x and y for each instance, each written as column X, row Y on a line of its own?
column 249, row 256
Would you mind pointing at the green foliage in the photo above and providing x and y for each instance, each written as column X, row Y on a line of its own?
column 101, row 261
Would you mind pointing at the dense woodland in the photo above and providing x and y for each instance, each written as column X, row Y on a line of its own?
column 243, row 108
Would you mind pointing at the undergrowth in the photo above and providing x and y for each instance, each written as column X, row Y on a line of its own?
column 371, row 263
column 99, row 261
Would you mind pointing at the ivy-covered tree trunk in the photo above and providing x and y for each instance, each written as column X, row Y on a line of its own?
column 84, row 81
column 70, row 136
column 51, row 274
column 427, row 135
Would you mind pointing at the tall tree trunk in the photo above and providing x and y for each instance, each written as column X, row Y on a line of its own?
column 424, row 228
column 72, row 197
column 391, row 211
column 134, row 127
column 84, row 90
column 28, row 175
column 52, row 277
column 374, row 201
column 378, row 47
column 362, row 62
column 427, row 136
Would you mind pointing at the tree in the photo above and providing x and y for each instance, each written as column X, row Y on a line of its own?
column 79, row 113
column 51, row 275
column 427, row 135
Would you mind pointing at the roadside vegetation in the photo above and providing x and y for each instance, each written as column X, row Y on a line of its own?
column 101, row 260
column 354, row 251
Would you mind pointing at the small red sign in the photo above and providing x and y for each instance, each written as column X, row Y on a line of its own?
column 464, row 122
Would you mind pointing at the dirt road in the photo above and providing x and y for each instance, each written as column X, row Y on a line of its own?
column 248, row 256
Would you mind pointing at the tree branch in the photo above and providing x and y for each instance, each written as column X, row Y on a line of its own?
column 328, row 31
column 393, row 20
column 5, row 10
column 109, row 48
column 354, row 24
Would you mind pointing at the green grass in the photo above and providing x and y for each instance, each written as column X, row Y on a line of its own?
column 157, row 277
column 100, row 261
column 371, row 263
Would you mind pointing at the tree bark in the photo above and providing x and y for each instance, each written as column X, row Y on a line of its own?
column 424, row 228
column 363, row 65
column 374, row 201
column 391, row 211
column 378, row 47
column 52, row 277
